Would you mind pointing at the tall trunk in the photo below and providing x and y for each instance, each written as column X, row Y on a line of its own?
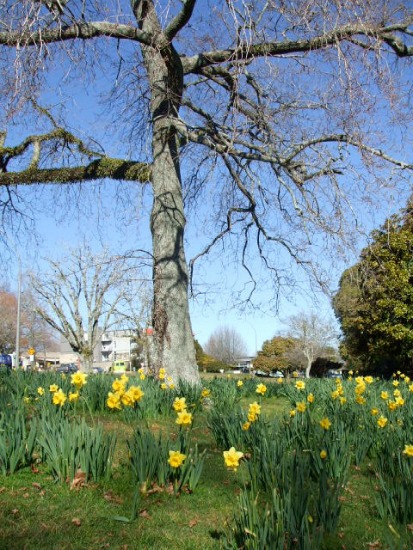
column 173, row 338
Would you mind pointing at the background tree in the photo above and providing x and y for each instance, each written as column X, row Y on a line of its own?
column 280, row 104
column 314, row 337
column 8, row 318
column 374, row 303
column 226, row 345
column 82, row 297
column 274, row 354
column 33, row 331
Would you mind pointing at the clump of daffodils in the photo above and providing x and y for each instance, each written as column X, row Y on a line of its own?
column 184, row 418
column 122, row 395
column 59, row 398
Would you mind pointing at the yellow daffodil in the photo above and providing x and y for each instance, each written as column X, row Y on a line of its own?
column 300, row 385
column 360, row 400
column 53, row 388
column 293, row 412
column 136, row 393
column 408, row 450
column 310, row 398
column 323, row 454
column 374, row 411
column 59, row 398
column 301, row 406
column 126, row 399
column 232, row 458
column 369, row 379
column 205, row 393
column 179, row 404
column 325, row 423
column 78, row 379
column 118, row 385
column 184, row 418
column 40, row 390
column 73, row 396
column 176, row 459
column 164, row 386
column 254, row 408
column 113, row 401
column 246, row 426
column 240, row 383
column 343, row 400
column 384, row 395
column 382, row 421
column 261, row 389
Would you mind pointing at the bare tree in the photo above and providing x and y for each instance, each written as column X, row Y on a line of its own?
column 8, row 306
column 84, row 296
column 226, row 345
column 287, row 106
column 314, row 337
column 33, row 331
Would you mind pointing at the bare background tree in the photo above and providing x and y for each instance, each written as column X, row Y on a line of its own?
column 270, row 126
column 34, row 332
column 314, row 337
column 85, row 295
column 226, row 345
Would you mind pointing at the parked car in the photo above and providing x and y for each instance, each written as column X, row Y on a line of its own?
column 260, row 373
column 67, row 368
column 334, row 374
column 276, row 374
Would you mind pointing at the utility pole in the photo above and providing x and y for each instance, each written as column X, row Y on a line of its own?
column 19, row 285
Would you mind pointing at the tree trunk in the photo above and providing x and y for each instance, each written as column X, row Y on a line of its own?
column 173, row 338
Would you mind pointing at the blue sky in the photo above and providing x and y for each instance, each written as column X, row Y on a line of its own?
column 117, row 215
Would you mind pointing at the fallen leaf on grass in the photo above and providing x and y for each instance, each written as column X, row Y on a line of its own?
column 79, row 480
column 111, row 497
column 15, row 511
column 76, row 521
column 155, row 489
column 2, row 489
column 375, row 544
column 410, row 526
column 25, row 495
column 145, row 514
column 193, row 522
column 36, row 486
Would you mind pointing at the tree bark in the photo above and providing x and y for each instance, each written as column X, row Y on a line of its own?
column 173, row 337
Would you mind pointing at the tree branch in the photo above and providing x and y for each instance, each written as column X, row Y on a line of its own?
column 84, row 31
column 180, row 20
column 105, row 167
column 248, row 51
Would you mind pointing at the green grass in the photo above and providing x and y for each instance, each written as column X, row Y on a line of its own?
column 38, row 513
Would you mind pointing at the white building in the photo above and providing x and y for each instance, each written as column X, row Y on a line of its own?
column 113, row 345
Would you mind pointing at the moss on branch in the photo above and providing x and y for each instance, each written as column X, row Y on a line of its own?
column 105, row 167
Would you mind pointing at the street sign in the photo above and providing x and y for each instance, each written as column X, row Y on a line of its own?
column 31, row 351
